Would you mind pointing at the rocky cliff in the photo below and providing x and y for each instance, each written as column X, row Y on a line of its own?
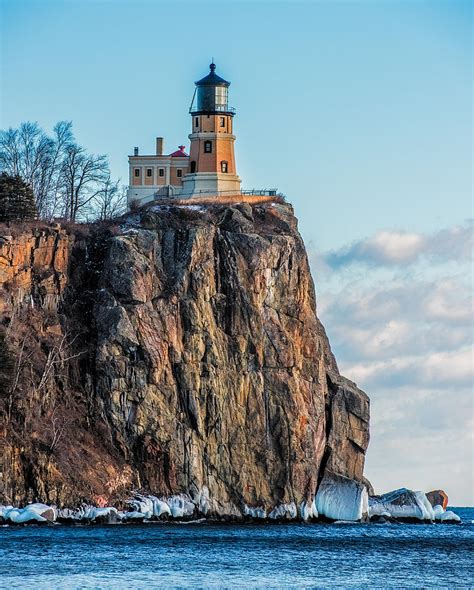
column 179, row 352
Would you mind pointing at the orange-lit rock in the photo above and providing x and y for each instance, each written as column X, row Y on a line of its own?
column 196, row 361
column 438, row 498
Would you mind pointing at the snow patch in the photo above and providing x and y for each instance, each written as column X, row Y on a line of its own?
column 158, row 208
column 192, row 207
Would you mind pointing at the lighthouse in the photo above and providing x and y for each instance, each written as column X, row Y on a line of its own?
column 211, row 168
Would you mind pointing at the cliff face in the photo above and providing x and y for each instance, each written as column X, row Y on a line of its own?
column 185, row 355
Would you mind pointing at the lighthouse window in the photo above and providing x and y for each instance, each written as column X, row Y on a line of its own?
column 196, row 121
column 137, row 172
column 161, row 172
column 208, row 147
column 222, row 121
column 224, row 166
column 179, row 173
column 148, row 172
column 221, row 96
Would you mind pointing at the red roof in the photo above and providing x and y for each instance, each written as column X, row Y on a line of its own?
column 180, row 153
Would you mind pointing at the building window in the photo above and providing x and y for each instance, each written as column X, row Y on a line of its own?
column 196, row 121
column 149, row 172
column 208, row 147
column 161, row 172
column 179, row 173
column 193, row 167
column 222, row 121
column 137, row 172
column 224, row 166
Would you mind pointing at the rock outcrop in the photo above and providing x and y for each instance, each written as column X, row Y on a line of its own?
column 438, row 498
column 176, row 353
column 404, row 505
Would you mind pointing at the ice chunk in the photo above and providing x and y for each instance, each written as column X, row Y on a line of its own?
column 341, row 498
column 32, row 513
column 135, row 515
column 4, row 510
column 438, row 511
column 450, row 516
column 402, row 503
column 284, row 512
column 257, row 512
column 106, row 514
column 202, row 500
column 142, row 504
column 160, row 507
column 180, row 506
column 48, row 512
column 21, row 515
column 308, row 510
column 425, row 506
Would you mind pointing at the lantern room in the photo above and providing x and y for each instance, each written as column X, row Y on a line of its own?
column 211, row 94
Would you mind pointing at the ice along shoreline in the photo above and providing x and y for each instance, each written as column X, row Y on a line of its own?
column 398, row 506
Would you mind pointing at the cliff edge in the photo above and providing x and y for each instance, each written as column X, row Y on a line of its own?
column 177, row 353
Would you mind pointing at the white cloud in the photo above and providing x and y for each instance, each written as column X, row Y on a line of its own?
column 451, row 369
column 392, row 248
column 422, row 441
column 402, row 330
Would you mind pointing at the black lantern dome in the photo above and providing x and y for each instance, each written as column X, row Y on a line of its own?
column 212, row 94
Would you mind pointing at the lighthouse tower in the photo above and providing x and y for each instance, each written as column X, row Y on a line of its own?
column 211, row 169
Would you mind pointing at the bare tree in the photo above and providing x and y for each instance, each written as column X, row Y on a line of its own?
column 53, row 180
column 37, row 158
column 26, row 152
column 111, row 202
column 10, row 151
column 58, row 423
column 65, row 178
column 84, row 176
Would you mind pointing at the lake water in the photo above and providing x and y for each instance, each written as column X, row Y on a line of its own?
column 206, row 555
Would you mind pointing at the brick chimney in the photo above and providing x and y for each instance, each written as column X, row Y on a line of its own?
column 159, row 146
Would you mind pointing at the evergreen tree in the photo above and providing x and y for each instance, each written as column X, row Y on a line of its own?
column 17, row 201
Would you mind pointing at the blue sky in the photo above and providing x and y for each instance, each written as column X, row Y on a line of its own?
column 361, row 113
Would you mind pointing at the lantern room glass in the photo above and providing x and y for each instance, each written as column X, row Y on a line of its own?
column 212, row 98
